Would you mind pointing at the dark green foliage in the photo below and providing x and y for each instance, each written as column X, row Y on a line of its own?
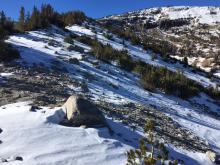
column 107, row 53
column 7, row 53
column 103, row 52
column 52, row 43
column 127, row 34
column 150, row 151
column 27, row 21
column 86, row 40
column 185, row 61
column 154, row 56
column 21, row 21
column 6, row 25
column 164, row 48
column 152, row 78
column 35, row 19
column 69, row 40
column 167, row 23
column 75, row 48
column 73, row 17
column 213, row 92
column 73, row 35
column 46, row 16
column 125, row 61
column 108, row 36
column 74, row 61
column 170, row 82
column 135, row 40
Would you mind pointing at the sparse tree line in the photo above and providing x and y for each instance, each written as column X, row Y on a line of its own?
column 6, row 25
column 139, row 34
column 165, row 48
column 37, row 19
column 106, row 53
column 46, row 16
column 7, row 53
column 167, row 23
column 152, row 78
column 148, row 42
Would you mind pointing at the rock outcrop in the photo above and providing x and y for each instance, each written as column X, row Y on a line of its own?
column 214, row 157
column 80, row 111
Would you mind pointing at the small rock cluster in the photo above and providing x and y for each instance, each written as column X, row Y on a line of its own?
column 10, row 159
column 16, row 158
column 0, row 133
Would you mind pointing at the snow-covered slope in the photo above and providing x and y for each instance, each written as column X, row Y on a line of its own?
column 141, row 54
column 38, row 138
column 203, row 15
column 193, row 32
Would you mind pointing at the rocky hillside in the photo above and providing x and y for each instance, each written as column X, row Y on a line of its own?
column 178, row 32
column 55, row 64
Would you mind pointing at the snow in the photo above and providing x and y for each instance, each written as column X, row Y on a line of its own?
column 217, row 74
column 3, row 76
column 6, row 74
column 80, row 30
column 39, row 138
column 200, row 14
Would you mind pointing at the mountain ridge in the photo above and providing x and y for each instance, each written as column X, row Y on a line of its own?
column 191, row 32
column 146, row 10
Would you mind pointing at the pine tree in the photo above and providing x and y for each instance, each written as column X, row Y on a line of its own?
column 150, row 151
column 21, row 22
column 27, row 21
column 47, row 15
column 6, row 25
column 35, row 20
column 2, row 19
column 185, row 61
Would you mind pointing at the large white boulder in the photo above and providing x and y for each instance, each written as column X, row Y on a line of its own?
column 214, row 157
column 80, row 111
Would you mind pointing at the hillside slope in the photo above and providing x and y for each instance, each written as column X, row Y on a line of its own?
column 46, row 76
column 191, row 32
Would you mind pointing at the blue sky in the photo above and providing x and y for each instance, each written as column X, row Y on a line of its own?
column 98, row 8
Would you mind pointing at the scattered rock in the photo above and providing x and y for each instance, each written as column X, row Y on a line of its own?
column 33, row 108
column 35, row 83
column 74, row 61
column 3, row 160
column 19, row 158
column 1, row 130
